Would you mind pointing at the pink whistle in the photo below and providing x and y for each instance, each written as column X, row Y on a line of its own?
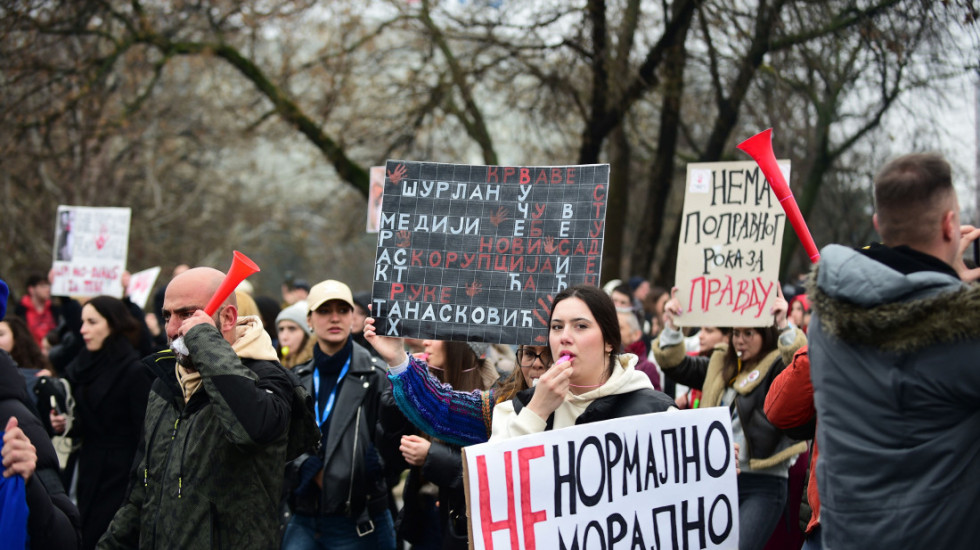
column 563, row 359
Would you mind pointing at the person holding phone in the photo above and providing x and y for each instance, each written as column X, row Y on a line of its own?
column 894, row 342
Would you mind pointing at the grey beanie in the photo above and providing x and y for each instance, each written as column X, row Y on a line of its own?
column 295, row 313
column 479, row 348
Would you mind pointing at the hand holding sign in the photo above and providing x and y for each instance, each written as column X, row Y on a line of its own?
column 392, row 350
column 780, row 309
column 672, row 310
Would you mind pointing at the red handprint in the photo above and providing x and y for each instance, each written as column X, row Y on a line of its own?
column 549, row 245
column 474, row 288
column 499, row 217
column 398, row 175
column 404, row 239
column 102, row 238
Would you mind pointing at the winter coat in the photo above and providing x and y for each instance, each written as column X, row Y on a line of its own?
column 894, row 345
column 443, row 466
column 53, row 522
column 210, row 471
column 111, row 388
column 789, row 406
column 352, row 435
column 767, row 446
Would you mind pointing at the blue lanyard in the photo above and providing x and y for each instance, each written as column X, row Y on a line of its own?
column 333, row 393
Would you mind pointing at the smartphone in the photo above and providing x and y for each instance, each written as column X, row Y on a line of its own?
column 976, row 253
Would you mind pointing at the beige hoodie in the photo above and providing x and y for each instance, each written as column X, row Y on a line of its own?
column 253, row 343
column 624, row 379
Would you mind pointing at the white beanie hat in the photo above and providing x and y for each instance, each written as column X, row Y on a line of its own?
column 295, row 313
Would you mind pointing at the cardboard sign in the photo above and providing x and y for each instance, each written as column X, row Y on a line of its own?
column 730, row 246
column 376, row 189
column 664, row 480
column 478, row 253
column 90, row 248
column 141, row 284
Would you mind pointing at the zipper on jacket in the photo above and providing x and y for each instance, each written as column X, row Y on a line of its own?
column 153, row 434
column 180, row 463
column 353, row 457
column 170, row 450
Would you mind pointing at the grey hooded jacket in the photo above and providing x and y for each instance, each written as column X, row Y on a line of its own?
column 895, row 364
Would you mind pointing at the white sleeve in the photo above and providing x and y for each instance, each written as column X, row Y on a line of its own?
column 506, row 424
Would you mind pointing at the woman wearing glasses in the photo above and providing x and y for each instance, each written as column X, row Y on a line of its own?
column 737, row 375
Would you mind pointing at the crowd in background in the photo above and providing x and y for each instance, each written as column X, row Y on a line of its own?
column 80, row 361
column 291, row 423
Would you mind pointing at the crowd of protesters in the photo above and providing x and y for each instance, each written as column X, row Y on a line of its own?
column 292, row 424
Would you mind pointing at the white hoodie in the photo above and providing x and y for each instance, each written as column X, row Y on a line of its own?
column 624, row 379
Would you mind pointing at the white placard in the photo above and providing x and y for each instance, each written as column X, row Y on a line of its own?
column 90, row 248
column 647, row 481
column 141, row 285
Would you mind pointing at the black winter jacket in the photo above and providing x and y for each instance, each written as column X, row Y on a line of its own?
column 53, row 522
column 766, row 445
column 210, row 470
column 353, row 432
column 443, row 467
column 111, row 388
column 643, row 401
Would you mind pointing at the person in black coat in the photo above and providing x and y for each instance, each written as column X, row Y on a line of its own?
column 53, row 521
column 111, row 387
column 428, row 520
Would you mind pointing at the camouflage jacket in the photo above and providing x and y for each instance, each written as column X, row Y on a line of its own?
column 210, row 471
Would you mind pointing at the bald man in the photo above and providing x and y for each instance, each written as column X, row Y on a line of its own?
column 216, row 427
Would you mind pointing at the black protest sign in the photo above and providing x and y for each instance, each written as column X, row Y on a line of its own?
column 478, row 253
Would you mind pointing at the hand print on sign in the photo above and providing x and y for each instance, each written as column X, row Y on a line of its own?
column 543, row 312
column 549, row 245
column 398, row 175
column 474, row 288
column 102, row 238
column 404, row 239
column 499, row 217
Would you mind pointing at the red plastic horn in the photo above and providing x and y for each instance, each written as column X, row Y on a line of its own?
column 241, row 268
column 759, row 147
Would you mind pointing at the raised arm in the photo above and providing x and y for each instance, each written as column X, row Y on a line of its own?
column 461, row 418
column 253, row 407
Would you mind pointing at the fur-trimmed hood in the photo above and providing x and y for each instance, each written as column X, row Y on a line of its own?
column 861, row 300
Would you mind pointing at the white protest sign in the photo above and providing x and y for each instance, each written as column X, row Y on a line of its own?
column 90, row 247
column 730, row 245
column 376, row 191
column 663, row 480
column 141, row 284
